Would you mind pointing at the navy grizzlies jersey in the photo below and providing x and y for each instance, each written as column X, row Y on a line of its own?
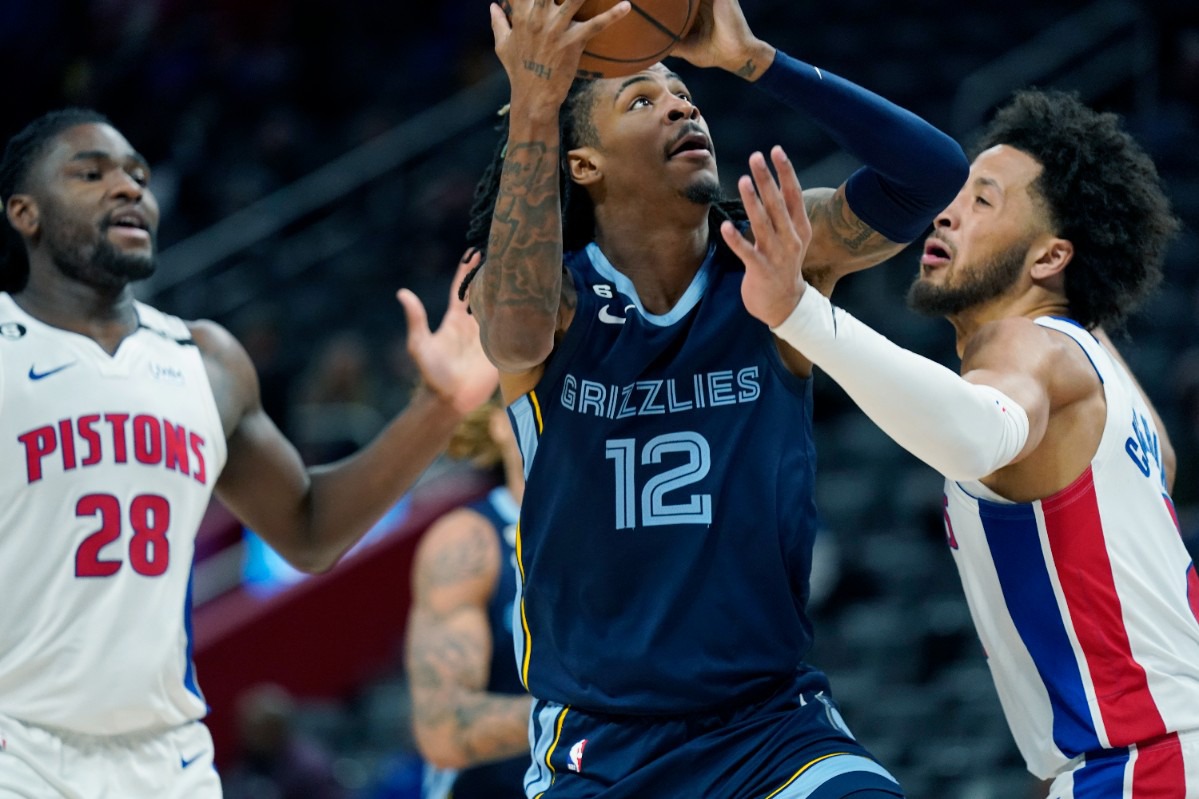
column 666, row 531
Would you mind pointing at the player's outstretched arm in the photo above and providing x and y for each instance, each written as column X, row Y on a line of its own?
column 912, row 170
column 456, row 721
column 961, row 428
column 311, row 516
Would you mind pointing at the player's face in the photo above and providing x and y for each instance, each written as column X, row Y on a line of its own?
column 651, row 134
column 979, row 248
column 97, row 217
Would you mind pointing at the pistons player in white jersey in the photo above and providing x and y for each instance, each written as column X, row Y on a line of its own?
column 117, row 422
column 1057, row 506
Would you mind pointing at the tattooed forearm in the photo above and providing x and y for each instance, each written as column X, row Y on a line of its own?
column 494, row 727
column 524, row 250
column 843, row 226
column 451, row 710
column 841, row 241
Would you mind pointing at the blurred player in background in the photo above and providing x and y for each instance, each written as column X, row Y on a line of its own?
column 1057, row 505
column 470, row 711
column 117, row 423
column 666, row 534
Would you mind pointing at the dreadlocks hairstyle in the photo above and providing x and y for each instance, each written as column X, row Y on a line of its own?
column 578, row 212
column 22, row 153
column 1101, row 191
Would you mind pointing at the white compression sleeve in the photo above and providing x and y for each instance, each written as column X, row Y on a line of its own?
column 963, row 430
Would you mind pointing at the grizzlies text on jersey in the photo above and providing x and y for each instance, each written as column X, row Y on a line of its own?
column 669, row 505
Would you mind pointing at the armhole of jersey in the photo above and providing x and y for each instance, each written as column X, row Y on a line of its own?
column 1114, row 387
column 799, row 386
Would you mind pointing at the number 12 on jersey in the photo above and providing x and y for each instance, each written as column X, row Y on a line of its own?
column 656, row 508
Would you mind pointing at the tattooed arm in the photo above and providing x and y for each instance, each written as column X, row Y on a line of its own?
column 517, row 295
column 456, row 721
column 841, row 241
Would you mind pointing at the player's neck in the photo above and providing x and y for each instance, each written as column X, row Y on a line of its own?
column 105, row 315
column 1030, row 305
column 658, row 252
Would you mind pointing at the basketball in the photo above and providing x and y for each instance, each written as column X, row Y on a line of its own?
column 640, row 38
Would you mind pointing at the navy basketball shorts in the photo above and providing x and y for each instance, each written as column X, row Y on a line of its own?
column 794, row 745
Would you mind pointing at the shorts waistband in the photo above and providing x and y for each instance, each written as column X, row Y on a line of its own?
column 724, row 713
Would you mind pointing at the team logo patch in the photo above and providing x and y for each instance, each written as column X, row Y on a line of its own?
column 12, row 330
column 576, row 756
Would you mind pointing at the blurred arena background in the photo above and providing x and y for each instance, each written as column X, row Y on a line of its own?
column 311, row 158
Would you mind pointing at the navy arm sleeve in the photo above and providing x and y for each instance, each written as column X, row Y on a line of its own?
column 912, row 170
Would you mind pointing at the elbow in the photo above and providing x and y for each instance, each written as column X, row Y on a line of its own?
column 947, row 174
column 518, row 350
column 311, row 559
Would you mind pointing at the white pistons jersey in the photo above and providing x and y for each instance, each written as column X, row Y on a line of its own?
column 108, row 465
column 1086, row 601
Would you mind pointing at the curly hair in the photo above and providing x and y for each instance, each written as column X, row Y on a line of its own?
column 23, row 151
column 1100, row 191
column 576, row 129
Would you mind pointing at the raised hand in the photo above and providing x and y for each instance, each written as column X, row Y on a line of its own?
column 540, row 44
column 721, row 37
column 780, row 230
column 451, row 360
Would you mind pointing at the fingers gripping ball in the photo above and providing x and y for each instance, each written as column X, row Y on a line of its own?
column 640, row 38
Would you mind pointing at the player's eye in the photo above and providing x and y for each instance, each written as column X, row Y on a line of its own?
column 640, row 101
column 981, row 200
column 140, row 177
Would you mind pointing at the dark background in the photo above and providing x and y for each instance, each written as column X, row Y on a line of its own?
column 312, row 157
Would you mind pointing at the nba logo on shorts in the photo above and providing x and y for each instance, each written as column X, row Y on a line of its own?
column 576, row 756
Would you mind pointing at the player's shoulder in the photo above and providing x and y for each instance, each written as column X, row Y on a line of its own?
column 461, row 545
column 461, row 527
column 1018, row 334
column 1055, row 357
column 216, row 344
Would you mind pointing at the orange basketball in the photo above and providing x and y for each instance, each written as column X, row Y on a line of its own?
column 640, row 38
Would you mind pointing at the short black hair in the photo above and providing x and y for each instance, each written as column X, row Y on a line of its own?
column 1101, row 191
column 20, row 155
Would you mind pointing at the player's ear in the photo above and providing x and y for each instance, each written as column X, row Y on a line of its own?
column 1050, row 257
column 22, row 212
column 585, row 165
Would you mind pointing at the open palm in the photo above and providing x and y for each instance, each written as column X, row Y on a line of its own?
column 451, row 360
column 781, row 231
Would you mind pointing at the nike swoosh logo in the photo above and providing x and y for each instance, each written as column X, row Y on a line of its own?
column 609, row 318
column 36, row 375
column 184, row 762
